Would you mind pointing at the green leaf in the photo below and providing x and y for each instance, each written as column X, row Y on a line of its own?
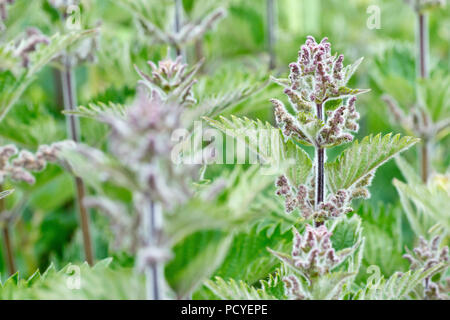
column 248, row 258
column 97, row 282
column 385, row 240
column 344, row 91
column 236, row 290
column 363, row 158
column 213, row 106
column 196, row 258
column 346, row 232
column 268, row 143
column 98, row 111
column 329, row 286
column 398, row 286
column 350, row 69
column 425, row 205
column 434, row 94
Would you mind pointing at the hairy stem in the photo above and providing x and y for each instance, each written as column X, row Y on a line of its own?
column 270, row 7
column 7, row 240
column 422, row 35
column 73, row 127
column 154, row 271
column 319, row 164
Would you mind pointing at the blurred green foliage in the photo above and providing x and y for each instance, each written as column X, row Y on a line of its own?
column 46, row 230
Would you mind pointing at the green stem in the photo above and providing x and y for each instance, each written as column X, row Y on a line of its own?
column 423, row 48
column 270, row 7
column 7, row 240
column 73, row 126
column 155, row 271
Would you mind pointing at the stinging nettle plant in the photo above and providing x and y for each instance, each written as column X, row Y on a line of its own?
column 320, row 191
column 427, row 255
column 141, row 144
column 319, row 76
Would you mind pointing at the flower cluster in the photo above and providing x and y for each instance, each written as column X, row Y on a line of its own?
column 171, row 79
column 302, row 198
column 340, row 122
column 19, row 165
column 424, row 5
column 312, row 256
column 315, row 78
column 427, row 255
column 142, row 141
column 288, row 123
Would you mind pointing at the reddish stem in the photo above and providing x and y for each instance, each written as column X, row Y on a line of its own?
column 68, row 86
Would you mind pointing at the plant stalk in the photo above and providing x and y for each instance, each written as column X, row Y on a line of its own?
column 270, row 7
column 73, row 127
column 423, row 46
column 154, row 271
column 7, row 240
column 319, row 164
column 425, row 159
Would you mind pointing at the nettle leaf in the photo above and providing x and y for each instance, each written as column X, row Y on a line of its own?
column 362, row 159
column 350, row 69
column 236, row 290
column 97, row 282
column 385, row 240
column 348, row 242
column 248, row 258
column 329, row 286
column 425, row 205
column 242, row 202
column 346, row 232
column 268, row 144
column 213, row 106
column 98, row 111
column 398, row 286
column 196, row 258
column 344, row 91
column 434, row 94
